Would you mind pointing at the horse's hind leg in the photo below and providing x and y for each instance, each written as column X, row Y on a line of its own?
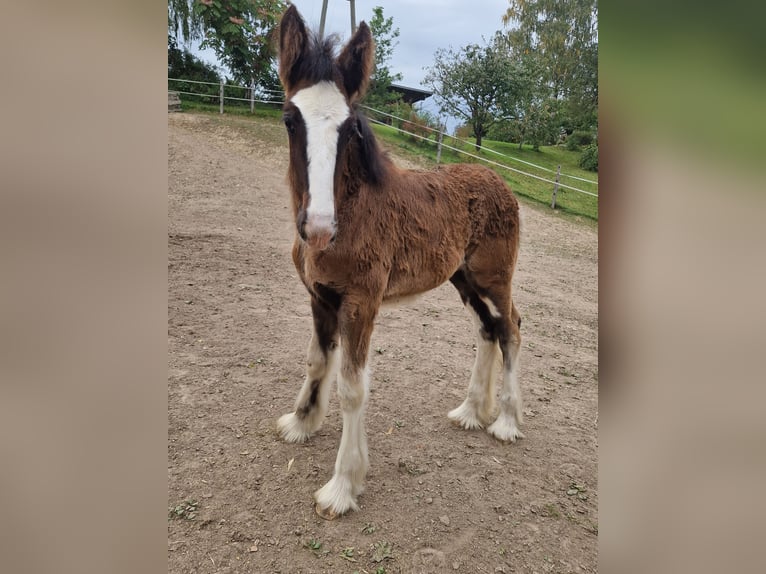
column 477, row 409
column 322, row 363
column 506, row 426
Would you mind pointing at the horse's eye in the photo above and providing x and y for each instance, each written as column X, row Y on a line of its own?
column 289, row 124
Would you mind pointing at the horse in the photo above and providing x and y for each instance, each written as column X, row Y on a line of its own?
column 369, row 233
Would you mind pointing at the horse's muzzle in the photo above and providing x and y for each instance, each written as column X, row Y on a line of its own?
column 318, row 231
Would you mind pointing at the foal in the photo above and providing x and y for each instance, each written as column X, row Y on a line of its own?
column 368, row 232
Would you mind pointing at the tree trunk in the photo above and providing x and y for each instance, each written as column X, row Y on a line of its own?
column 478, row 141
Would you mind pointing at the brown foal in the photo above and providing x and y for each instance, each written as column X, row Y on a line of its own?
column 368, row 232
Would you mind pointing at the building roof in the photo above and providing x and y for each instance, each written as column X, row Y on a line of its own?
column 411, row 95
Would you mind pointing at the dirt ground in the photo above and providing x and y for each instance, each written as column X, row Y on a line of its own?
column 437, row 498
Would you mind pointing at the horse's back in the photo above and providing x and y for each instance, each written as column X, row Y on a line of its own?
column 493, row 210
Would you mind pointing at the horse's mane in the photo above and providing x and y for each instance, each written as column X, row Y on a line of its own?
column 316, row 64
column 375, row 161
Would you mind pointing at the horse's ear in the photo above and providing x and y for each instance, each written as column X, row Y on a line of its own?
column 355, row 62
column 293, row 44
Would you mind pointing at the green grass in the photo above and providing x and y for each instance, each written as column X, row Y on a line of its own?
column 259, row 110
column 567, row 201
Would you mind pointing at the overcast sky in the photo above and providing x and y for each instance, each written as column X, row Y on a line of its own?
column 424, row 26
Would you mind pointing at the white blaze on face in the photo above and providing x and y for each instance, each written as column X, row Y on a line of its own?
column 324, row 109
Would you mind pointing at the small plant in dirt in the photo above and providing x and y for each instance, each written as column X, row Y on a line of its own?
column 348, row 554
column 368, row 528
column 187, row 510
column 551, row 511
column 316, row 547
column 381, row 551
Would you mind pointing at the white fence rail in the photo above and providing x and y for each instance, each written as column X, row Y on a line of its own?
column 253, row 93
column 489, row 161
column 482, row 148
column 276, row 97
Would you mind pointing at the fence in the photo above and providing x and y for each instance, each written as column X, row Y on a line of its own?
column 211, row 92
column 256, row 94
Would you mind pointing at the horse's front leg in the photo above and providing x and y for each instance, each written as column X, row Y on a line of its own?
column 322, row 366
column 338, row 496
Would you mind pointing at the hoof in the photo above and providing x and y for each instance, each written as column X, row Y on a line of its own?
column 326, row 513
column 505, row 430
column 291, row 429
column 465, row 417
column 335, row 498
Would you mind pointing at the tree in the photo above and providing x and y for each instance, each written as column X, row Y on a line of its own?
column 563, row 37
column 537, row 123
column 183, row 23
column 475, row 83
column 239, row 31
column 379, row 94
column 185, row 65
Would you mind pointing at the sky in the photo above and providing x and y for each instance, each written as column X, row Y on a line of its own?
column 424, row 27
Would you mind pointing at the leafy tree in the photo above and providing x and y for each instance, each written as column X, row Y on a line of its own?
column 538, row 123
column 563, row 37
column 239, row 31
column 183, row 23
column 475, row 83
column 534, row 116
column 379, row 94
column 185, row 65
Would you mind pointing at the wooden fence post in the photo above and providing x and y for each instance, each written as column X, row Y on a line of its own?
column 439, row 148
column 252, row 95
column 556, row 187
column 221, row 96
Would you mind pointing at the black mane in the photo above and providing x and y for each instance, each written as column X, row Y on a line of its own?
column 374, row 160
column 366, row 162
column 317, row 63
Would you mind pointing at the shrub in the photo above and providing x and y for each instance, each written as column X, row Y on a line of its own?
column 589, row 158
column 578, row 139
column 504, row 131
column 464, row 131
column 416, row 125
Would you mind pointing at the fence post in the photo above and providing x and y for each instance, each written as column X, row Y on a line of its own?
column 221, row 96
column 439, row 148
column 322, row 20
column 252, row 95
column 556, row 187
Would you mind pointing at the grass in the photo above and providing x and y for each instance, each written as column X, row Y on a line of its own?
column 567, row 201
column 259, row 110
